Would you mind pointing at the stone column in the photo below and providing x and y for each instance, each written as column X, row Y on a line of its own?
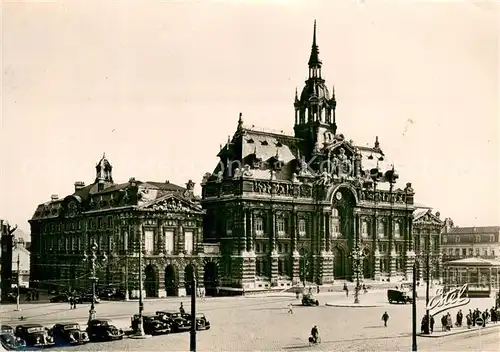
column 274, row 253
column 322, row 232
column 251, row 230
column 181, row 290
column 244, row 232
column 489, row 279
column 328, row 232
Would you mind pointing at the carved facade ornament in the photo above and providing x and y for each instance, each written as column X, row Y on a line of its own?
column 237, row 173
column 220, row 176
column 273, row 175
column 304, row 168
column 324, row 179
column 171, row 205
column 206, row 177
column 294, row 178
column 247, row 172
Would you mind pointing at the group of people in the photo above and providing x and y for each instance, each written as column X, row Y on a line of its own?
column 32, row 295
column 363, row 287
column 471, row 319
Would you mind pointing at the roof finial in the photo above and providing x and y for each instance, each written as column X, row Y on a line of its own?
column 104, row 155
column 377, row 144
column 240, row 121
column 296, row 94
column 314, row 34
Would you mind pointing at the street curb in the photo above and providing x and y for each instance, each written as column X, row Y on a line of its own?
column 459, row 332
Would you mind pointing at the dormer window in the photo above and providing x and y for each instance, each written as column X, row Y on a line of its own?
column 264, row 142
column 278, row 144
column 250, row 141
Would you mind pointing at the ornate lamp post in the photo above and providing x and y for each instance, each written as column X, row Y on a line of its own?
column 92, row 258
column 140, row 334
column 357, row 256
column 375, row 176
column 305, row 262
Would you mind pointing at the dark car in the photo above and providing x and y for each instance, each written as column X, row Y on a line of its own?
column 152, row 324
column 7, row 329
column 309, row 300
column 10, row 342
column 103, row 330
column 201, row 322
column 69, row 334
column 86, row 298
column 35, row 335
column 398, row 296
column 178, row 321
column 60, row 298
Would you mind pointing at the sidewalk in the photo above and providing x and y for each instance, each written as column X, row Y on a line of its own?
column 461, row 330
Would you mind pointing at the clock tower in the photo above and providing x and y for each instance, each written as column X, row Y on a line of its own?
column 315, row 108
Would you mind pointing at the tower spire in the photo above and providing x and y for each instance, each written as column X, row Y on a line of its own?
column 314, row 61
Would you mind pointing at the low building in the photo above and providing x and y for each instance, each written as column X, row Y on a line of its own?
column 480, row 274
column 163, row 219
column 427, row 228
column 466, row 242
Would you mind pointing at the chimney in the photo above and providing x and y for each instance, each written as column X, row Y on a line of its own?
column 54, row 197
column 79, row 185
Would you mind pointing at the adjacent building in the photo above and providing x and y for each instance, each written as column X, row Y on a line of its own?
column 290, row 208
column 21, row 263
column 427, row 229
column 162, row 219
column 466, row 242
column 7, row 243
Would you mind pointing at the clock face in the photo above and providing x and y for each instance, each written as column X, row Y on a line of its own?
column 338, row 195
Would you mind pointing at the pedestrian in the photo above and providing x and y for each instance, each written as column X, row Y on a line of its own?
column 449, row 322
column 468, row 318
column 317, row 288
column 70, row 302
column 37, row 295
column 459, row 318
column 290, row 308
column 74, row 302
column 432, row 324
column 347, row 292
column 297, row 294
column 385, row 318
column 181, row 309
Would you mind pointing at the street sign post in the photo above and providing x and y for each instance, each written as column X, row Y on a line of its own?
column 479, row 322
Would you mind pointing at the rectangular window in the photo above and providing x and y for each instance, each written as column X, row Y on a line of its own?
column 229, row 227
column 124, row 240
column 397, row 230
column 464, row 252
column 364, row 229
column 169, row 241
column 457, row 239
column 259, row 226
column 149, row 243
column 280, row 226
column 111, row 243
column 302, row 227
column 381, row 229
column 188, row 242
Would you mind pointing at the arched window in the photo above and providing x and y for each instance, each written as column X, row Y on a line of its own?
column 381, row 229
column 364, row 229
column 397, row 230
column 302, row 227
column 259, row 226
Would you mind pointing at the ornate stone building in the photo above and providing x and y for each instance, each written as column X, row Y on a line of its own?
column 427, row 229
column 287, row 208
column 467, row 242
column 163, row 219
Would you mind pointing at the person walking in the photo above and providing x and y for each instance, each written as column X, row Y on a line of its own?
column 385, row 318
column 181, row 309
column 290, row 308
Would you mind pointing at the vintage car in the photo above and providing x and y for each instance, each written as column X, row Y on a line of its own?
column 7, row 329
column 152, row 324
column 178, row 321
column 398, row 296
column 10, row 342
column 201, row 322
column 62, row 297
column 35, row 335
column 103, row 330
column 309, row 300
column 69, row 334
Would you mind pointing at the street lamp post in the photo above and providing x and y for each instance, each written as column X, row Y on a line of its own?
column 140, row 334
column 414, row 309
column 18, row 290
column 357, row 256
column 92, row 258
column 192, row 339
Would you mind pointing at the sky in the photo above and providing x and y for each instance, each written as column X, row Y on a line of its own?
column 159, row 85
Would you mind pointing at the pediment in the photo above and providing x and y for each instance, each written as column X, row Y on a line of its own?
column 336, row 145
column 429, row 218
column 173, row 204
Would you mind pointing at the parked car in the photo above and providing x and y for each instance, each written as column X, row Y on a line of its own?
column 103, row 330
column 309, row 300
column 398, row 296
column 69, row 334
column 7, row 329
column 35, row 335
column 152, row 324
column 59, row 298
column 201, row 322
column 178, row 321
column 10, row 342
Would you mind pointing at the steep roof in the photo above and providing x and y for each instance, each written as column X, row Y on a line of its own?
column 474, row 230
